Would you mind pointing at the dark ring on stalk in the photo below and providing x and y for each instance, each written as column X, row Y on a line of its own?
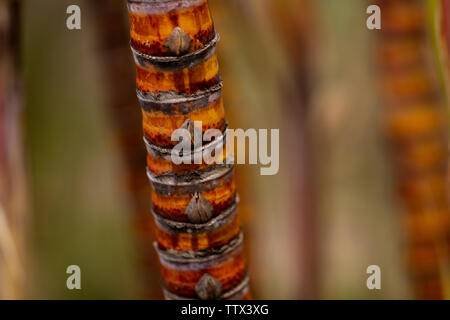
column 199, row 181
column 235, row 293
column 171, row 102
column 161, row 3
column 200, row 259
column 161, row 152
column 176, row 227
column 176, row 63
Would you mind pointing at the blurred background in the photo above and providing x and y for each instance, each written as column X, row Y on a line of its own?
column 77, row 162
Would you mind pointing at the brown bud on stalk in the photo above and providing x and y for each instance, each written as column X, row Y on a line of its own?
column 208, row 288
column 192, row 129
column 178, row 42
column 199, row 210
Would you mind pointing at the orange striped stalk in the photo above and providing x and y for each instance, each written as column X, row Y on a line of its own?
column 416, row 126
column 198, row 238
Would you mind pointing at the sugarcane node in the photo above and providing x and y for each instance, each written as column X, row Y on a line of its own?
column 170, row 177
column 173, row 97
column 208, row 287
column 178, row 43
column 181, row 271
column 188, row 183
column 173, row 103
column 166, row 153
column 199, row 210
column 176, row 227
column 236, row 293
column 176, row 63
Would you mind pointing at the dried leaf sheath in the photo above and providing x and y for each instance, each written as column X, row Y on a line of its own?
column 199, row 242
column 416, row 127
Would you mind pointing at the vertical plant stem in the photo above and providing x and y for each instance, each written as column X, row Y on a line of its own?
column 295, row 22
column 198, row 238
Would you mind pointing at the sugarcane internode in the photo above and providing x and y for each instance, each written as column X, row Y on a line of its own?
column 194, row 203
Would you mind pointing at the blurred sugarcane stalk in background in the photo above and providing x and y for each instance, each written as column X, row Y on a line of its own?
column 417, row 129
column 199, row 242
column 12, row 186
column 118, row 75
column 294, row 20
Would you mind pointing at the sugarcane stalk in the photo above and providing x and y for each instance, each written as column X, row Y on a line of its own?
column 198, row 239
column 12, row 187
column 416, row 127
